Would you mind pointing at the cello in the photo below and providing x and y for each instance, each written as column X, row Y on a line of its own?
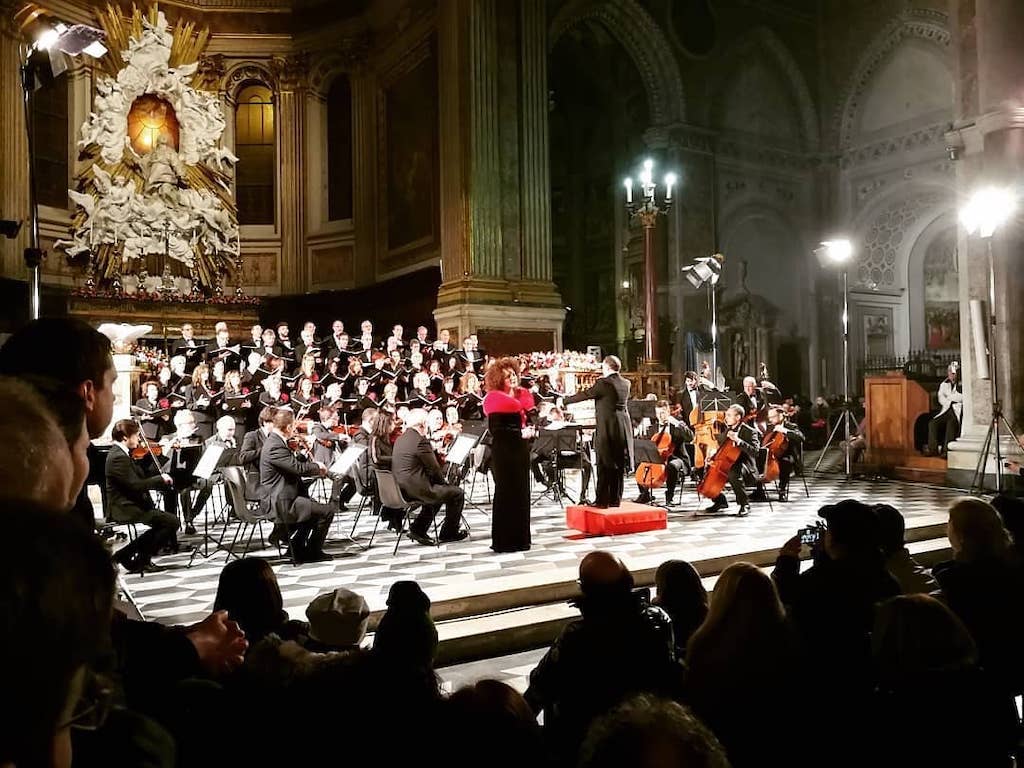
column 718, row 466
column 650, row 475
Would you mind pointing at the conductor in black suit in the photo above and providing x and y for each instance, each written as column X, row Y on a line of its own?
column 283, row 494
column 418, row 474
column 128, row 499
column 611, row 440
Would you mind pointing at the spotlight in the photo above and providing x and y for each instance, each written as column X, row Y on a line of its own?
column 987, row 210
column 703, row 270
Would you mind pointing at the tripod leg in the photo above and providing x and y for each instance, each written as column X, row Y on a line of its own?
column 978, row 481
column 828, row 442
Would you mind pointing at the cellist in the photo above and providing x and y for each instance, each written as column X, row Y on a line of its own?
column 744, row 437
column 670, row 439
column 788, row 455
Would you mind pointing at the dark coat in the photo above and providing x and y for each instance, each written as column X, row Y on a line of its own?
column 415, row 467
column 249, row 457
column 281, row 473
column 128, row 487
column 612, row 437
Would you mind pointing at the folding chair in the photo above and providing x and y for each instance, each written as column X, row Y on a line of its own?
column 246, row 510
column 391, row 496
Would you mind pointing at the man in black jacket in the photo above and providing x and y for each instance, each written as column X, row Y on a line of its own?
column 777, row 424
column 745, row 438
column 611, row 440
column 677, row 464
column 419, row 475
column 129, row 501
column 284, row 495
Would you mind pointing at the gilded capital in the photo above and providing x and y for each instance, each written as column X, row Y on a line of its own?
column 292, row 71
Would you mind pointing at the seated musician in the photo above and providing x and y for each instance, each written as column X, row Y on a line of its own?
column 753, row 400
column 128, row 500
column 283, row 494
column 745, row 438
column 419, row 475
column 677, row 463
column 328, row 442
column 790, row 457
column 183, row 447
column 544, row 465
column 224, row 437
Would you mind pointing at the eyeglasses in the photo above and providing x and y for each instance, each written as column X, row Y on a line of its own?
column 93, row 705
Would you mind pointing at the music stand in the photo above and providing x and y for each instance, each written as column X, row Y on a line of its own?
column 553, row 443
column 716, row 401
column 457, row 465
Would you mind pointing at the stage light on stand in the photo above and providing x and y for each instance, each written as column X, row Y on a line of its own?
column 54, row 41
column 706, row 270
column 986, row 211
column 832, row 254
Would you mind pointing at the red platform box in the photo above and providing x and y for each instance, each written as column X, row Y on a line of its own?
column 628, row 518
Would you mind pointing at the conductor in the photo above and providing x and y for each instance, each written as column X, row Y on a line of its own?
column 611, row 440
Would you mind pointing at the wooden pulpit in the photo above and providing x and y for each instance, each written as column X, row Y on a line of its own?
column 893, row 404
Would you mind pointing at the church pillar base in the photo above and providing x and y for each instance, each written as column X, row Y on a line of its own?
column 964, row 454
column 509, row 317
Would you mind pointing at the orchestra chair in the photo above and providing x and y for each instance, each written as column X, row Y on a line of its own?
column 391, row 496
column 247, row 512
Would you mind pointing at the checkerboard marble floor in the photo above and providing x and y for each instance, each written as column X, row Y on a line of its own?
column 183, row 594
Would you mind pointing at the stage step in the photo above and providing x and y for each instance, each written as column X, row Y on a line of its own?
column 529, row 626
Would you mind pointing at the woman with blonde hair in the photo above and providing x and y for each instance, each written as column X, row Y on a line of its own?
column 984, row 586
column 746, row 652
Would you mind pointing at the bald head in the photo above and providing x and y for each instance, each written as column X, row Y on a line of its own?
column 602, row 571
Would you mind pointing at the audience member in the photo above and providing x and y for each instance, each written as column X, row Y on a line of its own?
column 1011, row 510
column 497, row 722
column 646, row 732
column 913, row 577
column 406, row 634
column 746, row 652
column 929, row 682
column 337, row 621
column 36, row 462
column 622, row 646
column 249, row 592
column 680, row 593
column 984, row 586
column 56, row 601
column 832, row 606
column 88, row 372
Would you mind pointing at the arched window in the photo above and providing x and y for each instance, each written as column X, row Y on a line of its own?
column 339, row 149
column 255, row 148
column 50, row 142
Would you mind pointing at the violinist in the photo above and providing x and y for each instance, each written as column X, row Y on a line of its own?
column 225, row 437
column 670, row 439
column 789, row 456
column 183, row 447
column 129, row 501
column 284, row 496
column 328, row 440
column 744, row 437
column 153, row 426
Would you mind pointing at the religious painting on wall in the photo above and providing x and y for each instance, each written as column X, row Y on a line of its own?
column 941, row 294
column 878, row 335
column 410, row 140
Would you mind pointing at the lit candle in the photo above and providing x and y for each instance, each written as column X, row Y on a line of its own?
column 670, row 181
column 628, row 184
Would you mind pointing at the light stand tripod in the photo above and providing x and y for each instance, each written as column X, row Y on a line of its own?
column 33, row 254
column 991, row 442
column 846, row 418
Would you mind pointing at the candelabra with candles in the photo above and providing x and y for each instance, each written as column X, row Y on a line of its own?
column 647, row 211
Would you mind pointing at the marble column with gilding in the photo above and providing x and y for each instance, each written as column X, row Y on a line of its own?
column 990, row 68
column 495, row 192
column 292, row 75
column 364, row 176
column 13, row 152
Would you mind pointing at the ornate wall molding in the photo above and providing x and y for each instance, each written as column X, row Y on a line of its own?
column 348, row 56
column 931, row 137
column 246, row 72
column 920, row 23
column 292, row 71
column 644, row 41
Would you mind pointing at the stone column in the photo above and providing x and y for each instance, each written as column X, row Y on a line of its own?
column 495, row 193
column 13, row 152
column 292, row 74
column 993, row 154
column 364, row 177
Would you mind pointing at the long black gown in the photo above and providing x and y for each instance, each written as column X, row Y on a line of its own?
column 510, row 465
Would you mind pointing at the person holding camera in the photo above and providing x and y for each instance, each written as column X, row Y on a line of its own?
column 622, row 646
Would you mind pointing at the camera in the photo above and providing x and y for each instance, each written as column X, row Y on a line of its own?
column 810, row 535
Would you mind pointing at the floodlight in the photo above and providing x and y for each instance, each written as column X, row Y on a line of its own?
column 987, row 210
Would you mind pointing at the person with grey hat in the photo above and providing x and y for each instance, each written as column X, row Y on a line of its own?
column 337, row 621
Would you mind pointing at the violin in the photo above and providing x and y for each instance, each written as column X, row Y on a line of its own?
column 145, row 450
